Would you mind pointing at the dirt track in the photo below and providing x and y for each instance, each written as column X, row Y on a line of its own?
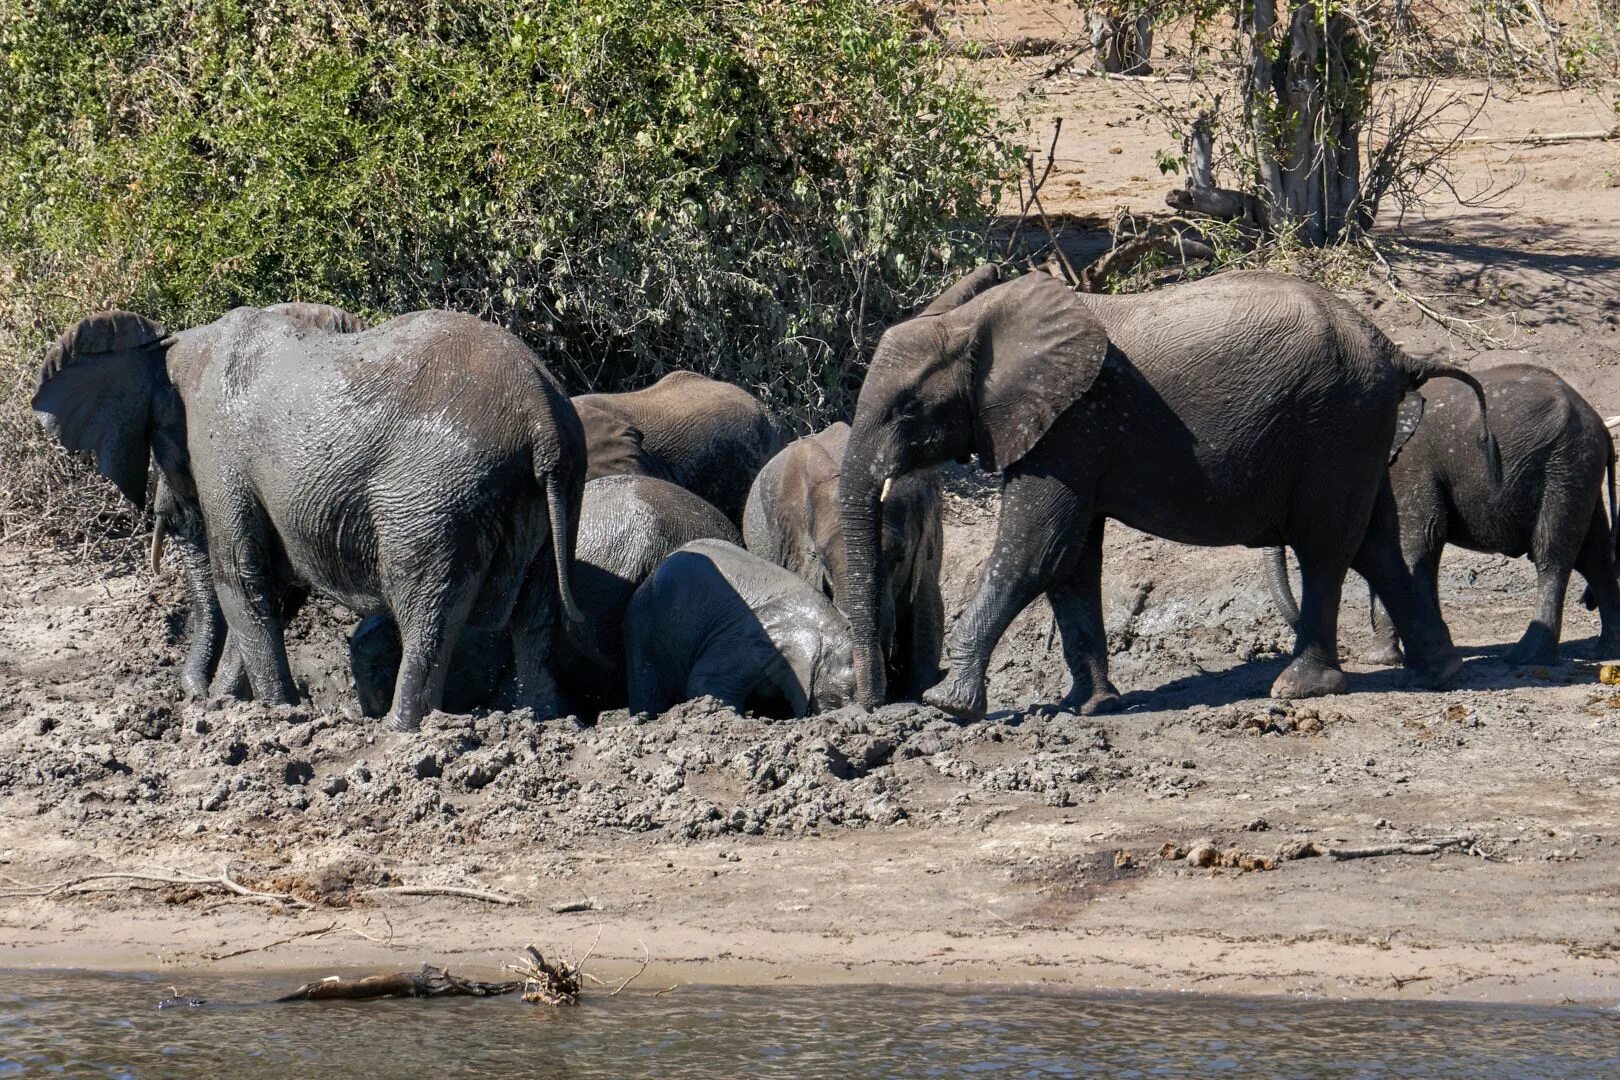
column 901, row 845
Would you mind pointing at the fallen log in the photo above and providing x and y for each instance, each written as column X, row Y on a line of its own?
column 427, row 982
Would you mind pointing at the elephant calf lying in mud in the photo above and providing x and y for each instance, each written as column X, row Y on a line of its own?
column 428, row 467
column 792, row 520
column 627, row 526
column 1547, row 502
column 716, row 620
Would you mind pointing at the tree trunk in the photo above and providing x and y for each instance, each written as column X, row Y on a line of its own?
column 1304, row 101
column 1123, row 38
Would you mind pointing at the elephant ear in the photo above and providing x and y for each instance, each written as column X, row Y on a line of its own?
column 614, row 445
column 954, row 297
column 1035, row 349
column 96, row 392
column 1407, row 419
column 320, row 317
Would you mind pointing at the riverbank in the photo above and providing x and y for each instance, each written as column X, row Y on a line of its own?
column 902, row 847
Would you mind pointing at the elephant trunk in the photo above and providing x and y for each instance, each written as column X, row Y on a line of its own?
column 860, row 496
column 1274, row 567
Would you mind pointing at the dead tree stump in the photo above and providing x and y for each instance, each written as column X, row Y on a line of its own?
column 1123, row 38
column 1305, row 98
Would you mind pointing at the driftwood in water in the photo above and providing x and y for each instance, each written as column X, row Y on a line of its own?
column 429, row 981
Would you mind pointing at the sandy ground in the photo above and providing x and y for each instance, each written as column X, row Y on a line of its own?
column 901, row 846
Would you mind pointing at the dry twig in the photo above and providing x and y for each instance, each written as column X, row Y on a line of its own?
column 445, row 890
column 172, row 877
column 646, row 958
column 1432, row 846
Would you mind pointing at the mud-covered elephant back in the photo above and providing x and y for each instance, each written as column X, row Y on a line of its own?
column 320, row 317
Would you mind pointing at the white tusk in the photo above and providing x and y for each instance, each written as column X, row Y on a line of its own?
column 1612, row 422
column 883, row 496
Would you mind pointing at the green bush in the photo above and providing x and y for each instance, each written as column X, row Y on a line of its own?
column 749, row 188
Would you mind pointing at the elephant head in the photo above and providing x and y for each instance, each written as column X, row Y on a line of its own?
column 113, row 385
column 984, row 370
column 105, row 387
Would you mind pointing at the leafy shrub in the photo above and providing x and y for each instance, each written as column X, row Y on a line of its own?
column 750, row 188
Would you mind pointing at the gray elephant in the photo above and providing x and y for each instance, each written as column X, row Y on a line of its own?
column 707, row 436
column 427, row 467
column 627, row 526
column 714, row 619
column 1547, row 502
column 1249, row 408
column 792, row 520
column 211, row 658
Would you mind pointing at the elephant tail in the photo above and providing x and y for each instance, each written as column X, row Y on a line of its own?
column 1421, row 371
column 1274, row 568
column 562, row 546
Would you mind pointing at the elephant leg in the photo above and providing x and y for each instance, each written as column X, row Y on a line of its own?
column 1386, row 646
column 251, row 602
column 1315, row 667
column 428, row 628
column 208, row 631
column 731, row 676
column 530, row 683
column 230, row 678
column 645, row 687
column 927, row 619
column 1077, row 608
column 1411, row 596
column 1539, row 645
column 374, row 654
column 1562, row 526
column 1037, row 541
column 1596, row 565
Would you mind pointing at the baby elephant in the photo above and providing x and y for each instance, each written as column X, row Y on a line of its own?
column 627, row 525
column 792, row 520
column 1549, row 505
column 714, row 619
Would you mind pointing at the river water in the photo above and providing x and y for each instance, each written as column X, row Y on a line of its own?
column 109, row 1025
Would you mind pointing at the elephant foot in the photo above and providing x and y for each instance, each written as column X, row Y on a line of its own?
column 1092, row 704
column 1386, row 654
column 1434, row 673
column 955, row 695
column 194, row 685
column 1538, row 646
column 1308, row 678
column 404, row 724
column 1609, row 645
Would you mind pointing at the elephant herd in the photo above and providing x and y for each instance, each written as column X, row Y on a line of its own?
column 507, row 546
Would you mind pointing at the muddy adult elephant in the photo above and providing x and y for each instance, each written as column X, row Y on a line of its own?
column 627, row 526
column 709, row 437
column 1546, row 503
column 1250, row 408
column 211, row 658
column 792, row 520
column 427, row 467
column 714, row 619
